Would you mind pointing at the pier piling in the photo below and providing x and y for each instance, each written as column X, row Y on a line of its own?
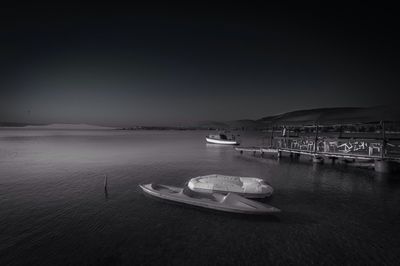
column 383, row 166
column 317, row 159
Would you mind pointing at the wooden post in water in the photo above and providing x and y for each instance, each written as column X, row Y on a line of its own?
column 105, row 182
column 316, row 138
column 272, row 137
column 383, row 150
column 316, row 159
column 382, row 165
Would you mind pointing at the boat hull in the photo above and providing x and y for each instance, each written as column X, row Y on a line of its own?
column 227, row 203
column 222, row 142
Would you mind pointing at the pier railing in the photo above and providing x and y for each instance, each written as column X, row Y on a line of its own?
column 359, row 147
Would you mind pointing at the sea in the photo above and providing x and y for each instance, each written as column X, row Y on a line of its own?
column 54, row 209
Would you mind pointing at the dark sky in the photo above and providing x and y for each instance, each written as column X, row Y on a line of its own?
column 164, row 64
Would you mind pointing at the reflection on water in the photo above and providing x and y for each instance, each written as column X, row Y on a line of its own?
column 55, row 208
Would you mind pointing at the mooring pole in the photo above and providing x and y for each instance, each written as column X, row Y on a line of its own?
column 105, row 182
column 316, row 138
column 383, row 150
column 272, row 137
column 316, row 159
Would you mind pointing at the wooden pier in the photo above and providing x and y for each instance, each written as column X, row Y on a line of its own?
column 383, row 152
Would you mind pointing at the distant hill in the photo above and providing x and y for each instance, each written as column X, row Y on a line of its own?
column 211, row 124
column 234, row 124
column 336, row 115
column 244, row 123
column 55, row 126
column 322, row 116
column 13, row 124
column 326, row 116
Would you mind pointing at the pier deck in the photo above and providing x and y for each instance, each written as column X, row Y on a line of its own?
column 384, row 154
column 276, row 151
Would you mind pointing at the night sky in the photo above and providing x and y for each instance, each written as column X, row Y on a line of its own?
column 169, row 65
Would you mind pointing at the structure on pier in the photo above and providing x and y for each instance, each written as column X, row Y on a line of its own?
column 322, row 139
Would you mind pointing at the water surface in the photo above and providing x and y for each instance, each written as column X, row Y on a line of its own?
column 53, row 209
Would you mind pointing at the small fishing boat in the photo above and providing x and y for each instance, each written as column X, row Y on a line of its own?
column 221, row 139
column 230, row 202
column 249, row 187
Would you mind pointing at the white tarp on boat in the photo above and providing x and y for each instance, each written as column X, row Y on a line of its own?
column 251, row 187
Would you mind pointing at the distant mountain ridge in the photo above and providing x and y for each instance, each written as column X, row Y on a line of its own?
column 54, row 126
column 243, row 123
column 322, row 116
column 16, row 124
column 336, row 115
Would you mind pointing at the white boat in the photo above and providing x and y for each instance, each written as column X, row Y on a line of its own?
column 221, row 139
column 249, row 187
column 216, row 201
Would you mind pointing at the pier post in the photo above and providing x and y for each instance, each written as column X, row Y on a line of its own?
column 384, row 166
column 317, row 159
column 383, row 150
column 316, row 139
column 272, row 138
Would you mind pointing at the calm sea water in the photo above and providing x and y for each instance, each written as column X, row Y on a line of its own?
column 53, row 209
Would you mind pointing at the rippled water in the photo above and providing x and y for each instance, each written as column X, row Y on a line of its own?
column 53, row 209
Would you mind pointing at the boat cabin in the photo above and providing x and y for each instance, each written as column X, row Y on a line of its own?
column 219, row 136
